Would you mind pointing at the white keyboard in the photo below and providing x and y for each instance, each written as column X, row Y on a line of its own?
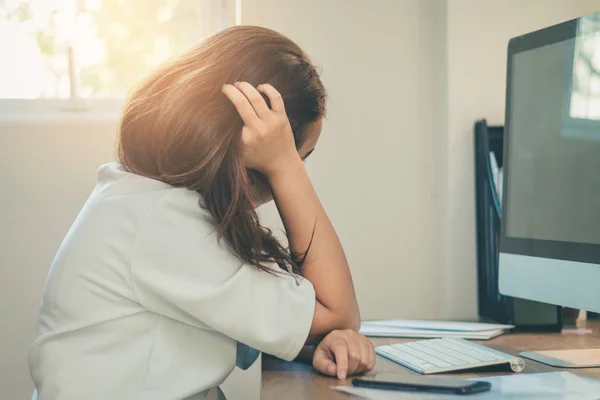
column 445, row 355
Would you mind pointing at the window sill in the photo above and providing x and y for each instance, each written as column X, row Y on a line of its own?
column 59, row 112
column 62, row 118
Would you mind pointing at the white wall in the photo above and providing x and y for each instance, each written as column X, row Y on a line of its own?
column 46, row 173
column 376, row 167
column 477, row 39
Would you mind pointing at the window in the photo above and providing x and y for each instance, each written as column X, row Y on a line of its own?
column 585, row 85
column 581, row 110
column 84, row 53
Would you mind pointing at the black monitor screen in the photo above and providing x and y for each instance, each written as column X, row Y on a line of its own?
column 553, row 183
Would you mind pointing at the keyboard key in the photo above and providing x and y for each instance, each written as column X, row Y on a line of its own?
column 472, row 351
column 416, row 350
column 401, row 355
column 450, row 356
column 405, row 356
column 457, row 353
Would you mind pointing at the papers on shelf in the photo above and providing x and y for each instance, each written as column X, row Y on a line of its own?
column 432, row 329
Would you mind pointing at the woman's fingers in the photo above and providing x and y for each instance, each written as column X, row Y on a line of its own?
column 242, row 105
column 365, row 357
column 352, row 352
column 372, row 355
column 339, row 348
column 255, row 99
column 274, row 97
column 322, row 361
column 354, row 356
column 250, row 104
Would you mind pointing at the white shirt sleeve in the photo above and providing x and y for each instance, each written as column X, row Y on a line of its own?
column 180, row 271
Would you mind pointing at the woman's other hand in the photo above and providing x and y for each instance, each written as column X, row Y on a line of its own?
column 344, row 353
column 267, row 135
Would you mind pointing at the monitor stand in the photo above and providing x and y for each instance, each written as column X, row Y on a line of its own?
column 583, row 358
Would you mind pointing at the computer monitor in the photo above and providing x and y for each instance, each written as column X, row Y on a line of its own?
column 550, row 234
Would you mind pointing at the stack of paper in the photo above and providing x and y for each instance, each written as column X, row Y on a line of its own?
column 432, row 329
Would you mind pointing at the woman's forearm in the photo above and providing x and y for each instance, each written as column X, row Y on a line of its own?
column 325, row 264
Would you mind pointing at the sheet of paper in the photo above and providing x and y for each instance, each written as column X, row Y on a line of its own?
column 545, row 386
column 390, row 331
column 438, row 325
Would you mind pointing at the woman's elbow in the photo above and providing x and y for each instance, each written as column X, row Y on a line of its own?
column 327, row 320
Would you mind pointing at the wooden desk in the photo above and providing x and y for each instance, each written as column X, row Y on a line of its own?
column 291, row 381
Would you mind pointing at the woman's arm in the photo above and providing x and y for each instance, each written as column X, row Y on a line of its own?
column 269, row 148
column 325, row 265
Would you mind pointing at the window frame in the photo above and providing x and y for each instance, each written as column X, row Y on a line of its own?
column 94, row 110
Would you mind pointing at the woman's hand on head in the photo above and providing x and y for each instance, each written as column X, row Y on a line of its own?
column 344, row 353
column 267, row 135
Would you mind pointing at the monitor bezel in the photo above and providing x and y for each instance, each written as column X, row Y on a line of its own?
column 568, row 251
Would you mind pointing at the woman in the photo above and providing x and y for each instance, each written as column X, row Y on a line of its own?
column 167, row 277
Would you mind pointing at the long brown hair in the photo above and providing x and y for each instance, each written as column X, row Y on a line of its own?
column 179, row 128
